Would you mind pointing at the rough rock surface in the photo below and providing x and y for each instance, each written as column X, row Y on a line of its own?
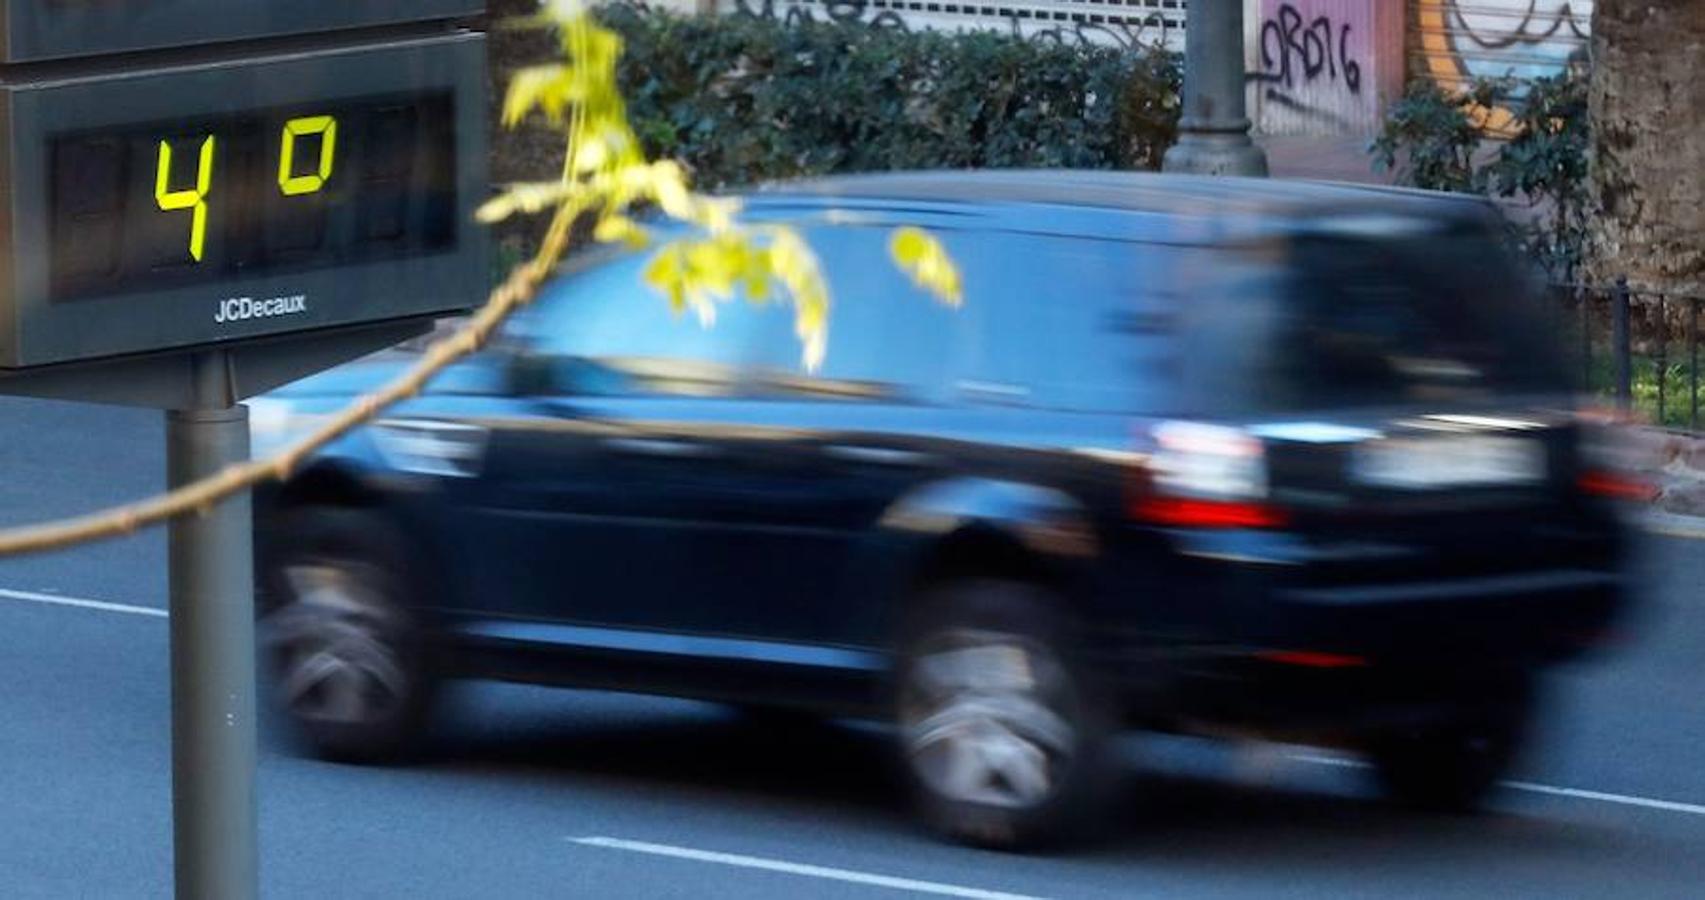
column 1648, row 110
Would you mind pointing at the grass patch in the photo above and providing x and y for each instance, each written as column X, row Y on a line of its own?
column 1648, row 371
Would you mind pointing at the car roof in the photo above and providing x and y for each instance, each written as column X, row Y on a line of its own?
column 1259, row 204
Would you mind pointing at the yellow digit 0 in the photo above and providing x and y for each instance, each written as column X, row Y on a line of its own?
column 194, row 199
column 289, row 182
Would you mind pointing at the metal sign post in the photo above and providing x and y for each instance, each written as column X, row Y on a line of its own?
column 213, row 649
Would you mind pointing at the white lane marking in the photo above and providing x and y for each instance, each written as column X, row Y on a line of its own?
column 1695, row 809
column 791, row 868
column 56, row 600
column 1623, row 799
column 1676, row 530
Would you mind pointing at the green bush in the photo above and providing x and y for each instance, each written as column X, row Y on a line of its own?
column 1428, row 139
column 742, row 99
column 1431, row 139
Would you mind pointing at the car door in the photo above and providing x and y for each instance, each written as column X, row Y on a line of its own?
column 608, row 499
column 828, row 450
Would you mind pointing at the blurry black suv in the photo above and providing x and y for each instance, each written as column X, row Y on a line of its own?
column 1199, row 455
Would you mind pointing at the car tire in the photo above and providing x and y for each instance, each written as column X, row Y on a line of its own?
column 1003, row 738
column 1454, row 766
column 342, row 638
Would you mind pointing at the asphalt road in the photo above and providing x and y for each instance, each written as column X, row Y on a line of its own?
column 534, row 793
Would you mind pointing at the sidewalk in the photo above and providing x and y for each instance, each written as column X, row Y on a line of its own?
column 1326, row 158
column 1675, row 463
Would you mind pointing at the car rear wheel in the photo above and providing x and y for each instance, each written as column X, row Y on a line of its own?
column 346, row 652
column 1002, row 736
column 1453, row 766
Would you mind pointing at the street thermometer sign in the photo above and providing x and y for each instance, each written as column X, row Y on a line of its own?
column 311, row 171
column 202, row 199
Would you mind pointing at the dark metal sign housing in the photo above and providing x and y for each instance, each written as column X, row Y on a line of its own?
column 56, row 29
column 208, row 203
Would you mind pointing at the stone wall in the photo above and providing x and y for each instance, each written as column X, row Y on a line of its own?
column 1648, row 105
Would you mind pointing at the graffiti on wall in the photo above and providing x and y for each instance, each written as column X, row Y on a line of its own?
column 1494, row 38
column 1464, row 40
column 1070, row 22
column 1307, row 62
column 1310, row 66
column 794, row 13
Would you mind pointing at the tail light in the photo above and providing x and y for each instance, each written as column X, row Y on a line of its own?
column 1201, row 475
column 1612, row 460
column 1615, row 486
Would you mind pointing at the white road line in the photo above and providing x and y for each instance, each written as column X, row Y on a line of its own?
column 1694, row 809
column 1675, row 530
column 104, row 606
column 790, row 868
column 1622, row 799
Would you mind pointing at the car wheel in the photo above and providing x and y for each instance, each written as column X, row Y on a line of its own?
column 1002, row 737
column 345, row 649
column 1454, row 766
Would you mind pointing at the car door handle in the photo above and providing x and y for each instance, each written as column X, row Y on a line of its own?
column 884, row 456
column 658, row 447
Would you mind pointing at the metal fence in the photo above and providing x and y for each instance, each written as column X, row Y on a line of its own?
column 1639, row 349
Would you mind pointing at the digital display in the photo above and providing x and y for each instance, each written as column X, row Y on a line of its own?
column 205, row 200
column 200, row 198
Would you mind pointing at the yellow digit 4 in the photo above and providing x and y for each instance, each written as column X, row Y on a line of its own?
column 289, row 182
column 190, row 198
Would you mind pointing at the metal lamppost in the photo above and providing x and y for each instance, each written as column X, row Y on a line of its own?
column 1213, row 135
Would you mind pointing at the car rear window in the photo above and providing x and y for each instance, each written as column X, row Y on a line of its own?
column 1355, row 321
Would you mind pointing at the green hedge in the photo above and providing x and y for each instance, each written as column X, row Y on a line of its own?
column 743, row 99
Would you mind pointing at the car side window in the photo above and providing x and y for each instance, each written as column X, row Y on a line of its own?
column 601, row 331
column 887, row 340
column 1070, row 323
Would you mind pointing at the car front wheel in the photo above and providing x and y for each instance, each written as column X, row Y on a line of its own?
column 345, row 649
column 1002, row 737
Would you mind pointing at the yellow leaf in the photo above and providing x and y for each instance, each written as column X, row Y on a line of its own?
column 664, row 275
column 925, row 261
column 546, row 88
column 909, row 245
column 613, row 229
column 526, row 198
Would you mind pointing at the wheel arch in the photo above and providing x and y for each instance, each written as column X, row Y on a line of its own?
column 341, row 485
column 974, row 527
column 325, row 483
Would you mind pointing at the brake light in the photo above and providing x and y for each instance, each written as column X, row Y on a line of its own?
column 1201, row 475
column 1313, row 659
column 1611, row 459
column 1184, row 512
column 1615, row 486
